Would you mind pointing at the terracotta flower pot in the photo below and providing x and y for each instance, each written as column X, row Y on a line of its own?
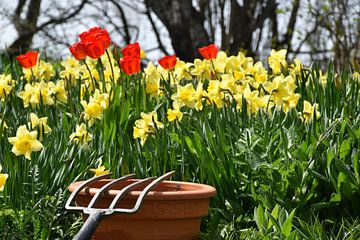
column 173, row 210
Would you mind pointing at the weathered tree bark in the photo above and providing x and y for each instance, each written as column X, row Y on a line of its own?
column 26, row 28
column 291, row 25
column 184, row 24
column 240, row 26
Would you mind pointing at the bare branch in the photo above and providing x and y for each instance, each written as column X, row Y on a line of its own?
column 64, row 18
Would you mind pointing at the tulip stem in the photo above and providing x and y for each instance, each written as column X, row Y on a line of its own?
column 102, row 76
column 87, row 67
column 111, row 66
column 213, row 67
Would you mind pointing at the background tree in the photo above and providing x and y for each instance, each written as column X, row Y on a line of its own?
column 25, row 19
column 312, row 30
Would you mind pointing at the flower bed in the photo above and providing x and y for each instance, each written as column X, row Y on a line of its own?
column 279, row 144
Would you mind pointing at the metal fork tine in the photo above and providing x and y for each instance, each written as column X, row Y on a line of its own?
column 106, row 187
column 144, row 193
column 125, row 190
column 81, row 187
column 151, row 186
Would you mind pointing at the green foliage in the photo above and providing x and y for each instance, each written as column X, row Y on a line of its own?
column 276, row 177
column 44, row 219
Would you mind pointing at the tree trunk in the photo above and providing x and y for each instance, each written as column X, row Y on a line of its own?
column 26, row 28
column 184, row 24
column 240, row 27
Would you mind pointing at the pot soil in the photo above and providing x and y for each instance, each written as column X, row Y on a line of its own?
column 172, row 211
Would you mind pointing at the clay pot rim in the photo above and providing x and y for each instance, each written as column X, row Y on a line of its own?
column 189, row 191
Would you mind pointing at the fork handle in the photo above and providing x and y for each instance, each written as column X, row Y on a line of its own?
column 89, row 226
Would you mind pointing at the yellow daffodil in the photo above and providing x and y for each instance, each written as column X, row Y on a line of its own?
column 35, row 121
column 81, row 135
column 5, row 86
column 100, row 170
column 43, row 72
column 184, row 95
column 151, row 72
column 92, row 111
column 58, row 90
column 174, row 114
column 214, row 93
column 290, row 102
column 152, row 80
column 239, row 75
column 152, row 87
column 220, row 62
column 181, row 70
column 94, row 108
column 146, row 126
column 3, row 178
column 31, row 74
column 232, row 64
column 46, row 71
column 108, row 73
column 71, row 71
column 356, row 75
column 323, row 78
column 278, row 89
column 202, row 69
column 36, row 94
column 253, row 100
column 101, row 98
column 3, row 123
column 309, row 111
column 296, row 67
column 228, row 82
column 277, row 59
column 93, row 70
column 246, row 62
column 25, row 142
column 198, row 96
column 259, row 74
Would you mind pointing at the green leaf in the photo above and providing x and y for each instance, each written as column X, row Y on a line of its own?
column 330, row 157
column 259, row 217
column 341, row 179
column 292, row 236
column 335, row 197
column 355, row 162
column 345, row 149
column 321, row 205
column 274, row 214
column 287, row 226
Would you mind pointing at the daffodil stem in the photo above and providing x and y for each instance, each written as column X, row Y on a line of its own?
column 32, row 74
column 213, row 66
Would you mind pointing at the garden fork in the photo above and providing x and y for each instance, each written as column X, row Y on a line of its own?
column 96, row 214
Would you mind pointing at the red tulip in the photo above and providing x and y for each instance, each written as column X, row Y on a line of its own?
column 78, row 51
column 132, row 50
column 28, row 60
column 84, row 35
column 94, row 48
column 208, row 52
column 168, row 62
column 130, row 65
column 95, row 41
column 104, row 37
